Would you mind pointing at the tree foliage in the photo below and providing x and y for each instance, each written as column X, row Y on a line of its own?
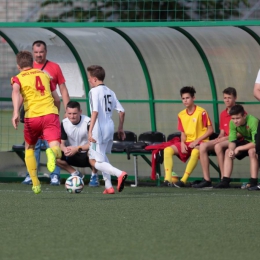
column 139, row 11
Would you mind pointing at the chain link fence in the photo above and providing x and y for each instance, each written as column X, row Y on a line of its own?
column 128, row 10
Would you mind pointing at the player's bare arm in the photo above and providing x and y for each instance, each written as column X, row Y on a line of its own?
column 63, row 145
column 21, row 101
column 56, row 99
column 184, row 147
column 203, row 137
column 121, row 133
column 257, row 91
column 245, row 147
column 231, row 147
column 221, row 137
column 93, row 120
column 16, row 104
column 65, row 94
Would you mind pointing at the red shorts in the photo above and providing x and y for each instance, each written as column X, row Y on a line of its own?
column 183, row 156
column 43, row 127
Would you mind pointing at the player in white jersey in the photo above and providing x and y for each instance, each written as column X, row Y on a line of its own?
column 74, row 142
column 102, row 103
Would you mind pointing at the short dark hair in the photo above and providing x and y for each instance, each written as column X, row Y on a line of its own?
column 230, row 91
column 96, row 71
column 73, row 104
column 24, row 59
column 237, row 109
column 188, row 89
column 38, row 43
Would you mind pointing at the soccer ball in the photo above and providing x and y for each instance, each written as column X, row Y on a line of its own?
column 74, row 184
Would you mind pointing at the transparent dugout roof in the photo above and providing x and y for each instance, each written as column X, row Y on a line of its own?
column 57, row 51
column 172, row 61
column 233, row 56
column 104, row 47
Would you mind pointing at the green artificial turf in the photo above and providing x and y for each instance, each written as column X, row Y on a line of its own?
column 139, row 223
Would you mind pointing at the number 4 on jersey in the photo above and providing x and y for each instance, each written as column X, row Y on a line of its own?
column 39, row 86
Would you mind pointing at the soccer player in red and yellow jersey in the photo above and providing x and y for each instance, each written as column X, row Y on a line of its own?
column 195, row 126
column 34, row 88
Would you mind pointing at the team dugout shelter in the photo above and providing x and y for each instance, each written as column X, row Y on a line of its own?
column 146, row 66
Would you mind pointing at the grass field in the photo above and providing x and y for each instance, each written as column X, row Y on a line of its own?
column 139, row 223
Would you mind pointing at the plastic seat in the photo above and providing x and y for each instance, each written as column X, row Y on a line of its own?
column 18, row 147
column 144, row 139
column 119, row 145
column 175, row 134
column 151, row 137
column 137, row 149
column 21, row 147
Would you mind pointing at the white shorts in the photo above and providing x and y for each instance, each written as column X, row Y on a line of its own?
column 98, row 151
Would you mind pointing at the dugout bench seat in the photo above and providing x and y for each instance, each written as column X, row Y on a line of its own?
column 134, row 147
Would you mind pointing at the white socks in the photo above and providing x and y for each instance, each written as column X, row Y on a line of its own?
column 107, row 168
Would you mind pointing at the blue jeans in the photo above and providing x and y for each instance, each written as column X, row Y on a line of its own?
column 37, row 153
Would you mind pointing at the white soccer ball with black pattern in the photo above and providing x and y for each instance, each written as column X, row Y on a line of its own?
column 74, row 184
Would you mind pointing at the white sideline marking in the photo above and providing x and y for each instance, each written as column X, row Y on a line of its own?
column 44, row 191
column 146, row 194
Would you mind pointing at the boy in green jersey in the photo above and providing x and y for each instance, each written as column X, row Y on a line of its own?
column 246, row 126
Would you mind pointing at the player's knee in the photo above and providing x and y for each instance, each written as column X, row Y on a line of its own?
column 168, row 152
column 195, row 153
column 203, row 147
column 252, row 153
column 217, row 148
column 227, row 152
column 29, row 153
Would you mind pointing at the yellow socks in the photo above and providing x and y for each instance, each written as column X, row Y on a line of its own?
column 191, row 164
column 168, row 163
column 31, row 165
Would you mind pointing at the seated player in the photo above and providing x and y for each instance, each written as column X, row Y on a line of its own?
column 220, row 144
column 246, row 125
column 74, row 142
column 195, row 126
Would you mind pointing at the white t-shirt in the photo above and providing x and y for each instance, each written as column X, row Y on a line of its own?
column 76, row 135
column 104, row 101
column 258, row 78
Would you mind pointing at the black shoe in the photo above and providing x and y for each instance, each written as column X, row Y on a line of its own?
column 253, row 182
column 254, row 188
column 179, row 184
column 166, row 184
column 222, row 185
column 203, row 185
column 195, row 182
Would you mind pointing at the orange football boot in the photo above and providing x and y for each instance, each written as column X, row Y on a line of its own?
column 121, row 181
column 109, row 191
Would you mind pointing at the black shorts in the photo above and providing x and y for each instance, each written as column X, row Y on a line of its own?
column 77, row 160
column 242, row 154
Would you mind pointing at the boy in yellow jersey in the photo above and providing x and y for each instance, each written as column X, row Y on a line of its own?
column 34, row 88
column 195, row 126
